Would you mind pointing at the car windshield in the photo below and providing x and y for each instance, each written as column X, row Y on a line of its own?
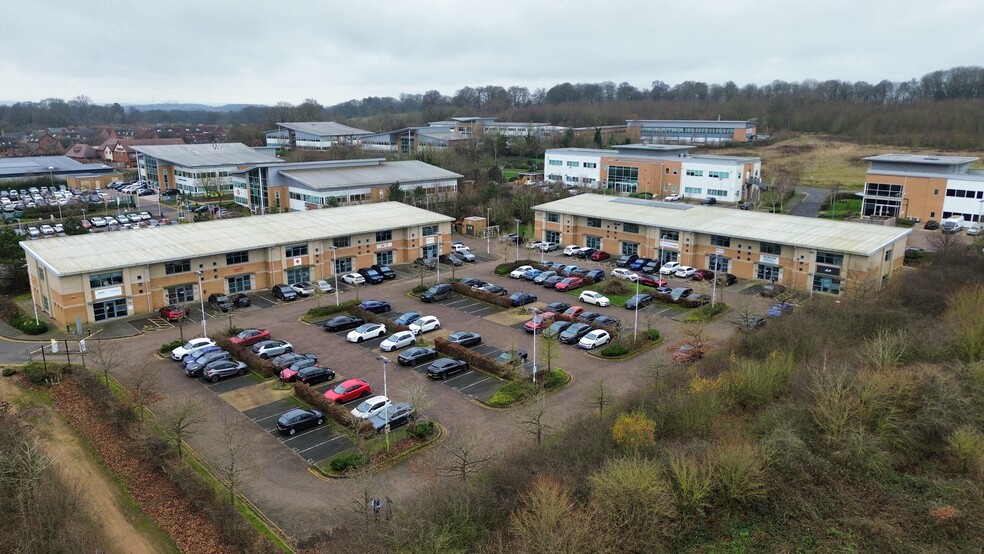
column 395, row 338
column 364, row 407
column 366, row 327
column 221, row 298
column 340, row 389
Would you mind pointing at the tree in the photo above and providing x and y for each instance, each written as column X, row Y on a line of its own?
column 418, row 395
column 533, row 419
column 548, row 521
column 73, row 226
column 463, row 456
column 600, row 396
column 107, row 356
column 550, row 349
column 181, row 418
column 633, row 503
column 395, row 193
column 598, row 143
column 236, row 460
column 144, row 385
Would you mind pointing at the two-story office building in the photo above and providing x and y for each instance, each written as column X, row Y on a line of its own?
column 196, row 169
column 313, row 135
column 103, row 276
column 923, row 187
column 818, row 255
column 680, row 131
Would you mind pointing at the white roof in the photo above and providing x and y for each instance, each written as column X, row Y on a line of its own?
column 323, row 128
column 819, row 234
column 204, row 155
column 327, row 178
column 109, row 250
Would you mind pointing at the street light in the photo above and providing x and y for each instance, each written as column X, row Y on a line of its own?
column 334, row 271
column 536, row 312
column 201, row 293
column 488, row 237
column 517, row 239
column 635, row 324
column 386, row 429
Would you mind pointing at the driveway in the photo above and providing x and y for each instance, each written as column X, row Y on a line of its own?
column 810, row 205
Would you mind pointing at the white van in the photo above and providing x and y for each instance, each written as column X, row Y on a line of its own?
column 952, row 224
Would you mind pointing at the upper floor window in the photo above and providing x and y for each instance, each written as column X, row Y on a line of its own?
column 296, row 250
column 573, row 164
column 695, row 172
column 594, row 222
column 829, row 258
column 718, row 240
column 670, row 235
column 630, row 227
column 556, row 162
column 553, row 218
column 177, row 266
column 233, row 258
column 384, row 235
column 429, row 230
column 718, row 174
column 342, row 242
column 106, row 279
column 590, row 165
column 770, row 248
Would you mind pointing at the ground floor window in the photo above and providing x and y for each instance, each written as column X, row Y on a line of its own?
column 298, row 274
column 630, row 248
column 552, row 236
column 109, row 309
column 668, row 256
column 428, row 251
column 592, row 242
column 180, row 294
column 829, row 285
column 718, row 263
column 384, row 258
column 767, row 272
column 240, row 283
column 343, row 265
column 696, row 191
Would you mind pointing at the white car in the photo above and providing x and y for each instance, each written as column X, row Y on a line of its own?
column 370, row 407
column 354, row 279
column 594, row 339
column 145, row 216
column 459, row 247
column 47, row 229
column 520, row 271
column 398, row 340
column 596, row 298
column 669, row 268
column 110, row 220
column 324, row 286
column 549, row 246
column 673, row 198
column 622, row 273
column 974, row 229
column 59, row 228
column 685, row 272
column 303, row 288
column 270, row 348
column 572, row 249
column 190, row 347
column 365, row 332
column 33, row 231
column 98, row 222
column 534, row 244
column 424, row 324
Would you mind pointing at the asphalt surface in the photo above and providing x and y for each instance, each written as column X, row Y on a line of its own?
column 810, row 205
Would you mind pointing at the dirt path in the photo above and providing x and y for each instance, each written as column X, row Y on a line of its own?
column 103, row 499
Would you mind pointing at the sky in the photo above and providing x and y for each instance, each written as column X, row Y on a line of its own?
column 262, row 52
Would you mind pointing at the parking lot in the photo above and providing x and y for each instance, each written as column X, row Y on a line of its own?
column 314, row 445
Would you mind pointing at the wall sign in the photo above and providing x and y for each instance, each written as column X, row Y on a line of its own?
column 298, row 261
column 381, row 245
column 773, row 260
column 100, row 294
column 827, row 270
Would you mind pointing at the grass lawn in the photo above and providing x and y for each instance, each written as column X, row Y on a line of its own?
column 619, row 300
column 842, row 209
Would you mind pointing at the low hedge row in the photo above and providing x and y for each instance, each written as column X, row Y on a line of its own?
column 245, row 354
column 338, row 413
column 14, row 315
column 370, row 317
column 474, row 359
column 325, row 311
column 518, row 390
column 484, row 296
column 506, row 268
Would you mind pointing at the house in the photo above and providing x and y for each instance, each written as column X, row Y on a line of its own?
column 83, row 153
column 120, row 151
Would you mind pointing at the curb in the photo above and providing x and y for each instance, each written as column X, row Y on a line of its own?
column 441, row 435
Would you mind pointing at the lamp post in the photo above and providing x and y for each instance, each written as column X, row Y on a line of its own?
column 386, row 429
column 517, row 239
column 488, row 237
column 51, row 178
column 536, row 312
column 201, row 293
column 635, row 323
column 437, row 259
column 334, row 271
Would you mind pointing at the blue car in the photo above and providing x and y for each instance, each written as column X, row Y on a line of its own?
column 597, row 275
column 408, row 318
column 375, row 306
column 637, row 265
column 778, row 310
column 522, row 298
column 531, row 274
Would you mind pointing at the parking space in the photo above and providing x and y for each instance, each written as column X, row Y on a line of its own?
column 230, row 384
column 476, row 384
column 314, row 445
column 471, row 306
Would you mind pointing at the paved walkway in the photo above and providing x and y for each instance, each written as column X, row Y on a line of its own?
column 811, row 202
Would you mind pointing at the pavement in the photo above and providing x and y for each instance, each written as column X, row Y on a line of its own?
column 809, row 205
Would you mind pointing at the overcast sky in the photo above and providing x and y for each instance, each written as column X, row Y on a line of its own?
column 246, row 51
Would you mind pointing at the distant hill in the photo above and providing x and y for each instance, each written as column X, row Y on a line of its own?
column 189, row 107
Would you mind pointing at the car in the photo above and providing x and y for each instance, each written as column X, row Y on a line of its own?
column 134, row 218
column 623, row 273
column 650, row 267
column 440, row 291
column 912, row 252
column 407, row 318
column 584, row 253
column 353, row 279
column 551, row 282
column 47, row 229
column 375, row 306
column 599, row 256
column 171, row 192
column 749, row 322
column 664, row 290
column 241, row 300
column 702, row 275
column 746, row 205
column 384, row 270
column 548, row 246
column 726, row 279
column 368, row 407
column 694, row 300
column 651, row 280
column 416, row 355
column 394, row 415
column 521, row 299
column 574, row 333
column 248, row 337
column 425, row 263
column 98, row 222
column 193, row 358
column 299, row 419
column 442, row 368
column 973, row 229
column 269, row 348
column 625, row 260
column 286, row 360
column 569, row 270
column 684, row 272
column 59, row 228
column 111, row 221
column 33, row 231
column 171, row 312
column 347, row 390
column 594, row 339
column 931, row 225
column 596, row 275
column 780, row 309
column 771, row 289
column 424, row 324
column 543, row 276
column 556, row 328
column 709, row 200
column 450, row 259
column 669, row 268
column 513, row 238
column 223, row 368
column 569, row 283
column 531, row 274
column 342, row 322
column 534, row 244
column 558, row 307
column 323, row 286
column 466, row 256
column 465, row 338
column 494, row 289
column 595, row 298
column 638, row 301
column 639, row 263
column 572, row 249
column 401, row 339
column 514, row 356
column 371, row 276
column 365, row 332
column 573, row 312
column 539, row 321
column 303, row 288
column 680, row 293
column 283, row 292
column 190, row 347
column 588, row 317
column 673, row 198
column 687, row 353
column 472, row 282
column 195, row 363
column 219, row 301
column 520, row 271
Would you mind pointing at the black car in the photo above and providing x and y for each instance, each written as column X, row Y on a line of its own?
column 745, row 206
column 513, row 238
column 314, row 374
column 416, row 355
column 171, row 192
column 574, row 333
column 283, row 292
column 395, row 415
column 220, row 302
column 651, row 267
column 472, row 282
column 375, row 306
column 451, row 259
column 286, row 360
column 638, row 301
column 512, row 357
column 426, row 263
column 749, row 322
column 299, row 419
column 727, row 279
column 302, row 363
column 385, row 271
column 584, row 253
column 624, row 261
column 240, row 300
column 606, row 320
column 588, row 317
column 444, row 367
column 522, row 298
column 343, row 322
column 556, row 328
column 494, row 289
column 931, row 225
column 680, row 293
column 557, row 307
column 551, row 282
column 372, row 276
column 709, row 201
column 437, row 292
column 465, row 338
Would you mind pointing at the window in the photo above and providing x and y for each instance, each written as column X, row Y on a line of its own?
column 343, row 265
column 696, row 191
column 695, row 172
column 770, row 248
column 555, row 177
column 384, row 258
column 629, row 248
column 384, row 235
column 718, row 263
column 766, row 272
column 594, row 222
column 590, row 165
column 670, row 235
column 41, row 273
column 342, row 242
column 428, row 230
column 888, row 255
column 553, row 218
column 109, row 309
column 573, row 164
column 180, row 294
column 298, row 274
column 106, row 279
column 718, row 174
column 623, row 179
column 556, row 162
column 178, row 266
column 296, row 250
column 825, row 284
column 630, row 227
column 829, row 258
column 235, row 258
column 552, row 236
column 592, row 242
column 240, row 283
column 718, row 240
column 717, row 192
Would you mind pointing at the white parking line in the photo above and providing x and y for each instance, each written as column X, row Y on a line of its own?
column 299, row 435
column 462, row 374
column 335, row 438
column 462, row 389
column 267, row 417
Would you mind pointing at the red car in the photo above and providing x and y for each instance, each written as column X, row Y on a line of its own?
column 349, row 390
column 172, row 313
column 703, row 274
column 600, row 255
column 249, row 337
column 540, row 321
column 573, row 312
column 651, row 280
column 569, row 283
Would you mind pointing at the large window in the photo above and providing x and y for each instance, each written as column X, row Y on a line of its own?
column 630, row 227
column 177, row 266
column 342, row 242
column 670, row 235
column 180, row 294
column 428, row 230
column 767, row 272
column 825, row 284
column 594, row 222
column 590, row 165
column 298, row 274
column 592, row 242
column 629, row 248
column 552, row 236
column 696, row 191
column 718, row 263
column 235, row 258
column 556, row 162
column 717, row 192
column 623, row 179
column 553, row 218
column 573, row 164
column 106, row 279
column 384, row 258
column 240, row 283
column 829, row 258
column 718, row 240
column 718, row 174
column 109, row 309
column 770, row 248
column 296, row 250
column 343, row 265
column 384, row 236
column 695, row 172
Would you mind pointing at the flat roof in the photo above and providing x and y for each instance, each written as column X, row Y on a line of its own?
column 328, row 178
column 696, row 122
column 921, row 159
column 818, row 234
column 33, row 165
column 204, row 155
column 93, row 252
column 898, row 172
column 323, row 128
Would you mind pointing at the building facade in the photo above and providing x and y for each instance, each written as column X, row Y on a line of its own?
column 196, row 169
column 671, row 131
column 313, row 135
column 104, row 276
column 922, row 187
column 818, row 255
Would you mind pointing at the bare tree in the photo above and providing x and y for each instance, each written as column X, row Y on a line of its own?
column 549, row 349
column 533, row 418
column 600, row 396
column 418, row 395
column 463, row 456
column 943, row 243
column 180, row 418
column 107, row 356
column 421, row 272
column 236, row 459
column 145, row 388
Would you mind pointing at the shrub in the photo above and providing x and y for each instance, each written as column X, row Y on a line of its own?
column 510, row 393
column 8, row 371
column 421, row 429
column 40, row 374
column 756, row 383
column 634, row 503
column 484, row 296
column 705, row 312
column 739, row 472
column 694, row 481
column 634, row 431
column 31, row 327
column 652, row 334
column 370, row 317
column 419, row 289
column 614, row 350
column 345, row 462
column 615, row 287
column 966, row 444
column 885, row 350
column 474, row 359
column 245, row 354
column 167, row 348
column 553, row 378
column 324, row 311
column 316, row 400
column 691, row 414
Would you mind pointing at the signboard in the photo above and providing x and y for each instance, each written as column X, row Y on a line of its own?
column 298, row 261
column 719, row 251
column 381, row 245
column 239, row 192
column 109, row 292
column 670, row 244
column 429, row 240
column 826, row 270
column 772, row 260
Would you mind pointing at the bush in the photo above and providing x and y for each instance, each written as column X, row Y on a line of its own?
column 8, row 371
column 421, row 429
column 31, row 327
column 510, row 393
column 553, row 378
column 614, row 350
column 705, row 312
column 484, row 296
column 474, row 359
column 167, row 348
column 506, row 269
column 739, row 472
column 316, row 400
column 615, row 287
column 652, row 334
column 325, row 311
column 245, row 354
column 345, row 462
column 39, row 374
column 419, row 289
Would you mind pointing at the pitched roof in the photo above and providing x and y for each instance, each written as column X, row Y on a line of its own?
column 204, row 155
column 323, row 128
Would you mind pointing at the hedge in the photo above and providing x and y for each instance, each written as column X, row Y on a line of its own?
column 506, row 269
column 168, row 347
column 518, row 390
column 245, row 354
column 15, row 316
column 324, row 311
column 614, row 351
column 337, row 412
column 474, row 359
column 484, row 296
column 391, row 326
